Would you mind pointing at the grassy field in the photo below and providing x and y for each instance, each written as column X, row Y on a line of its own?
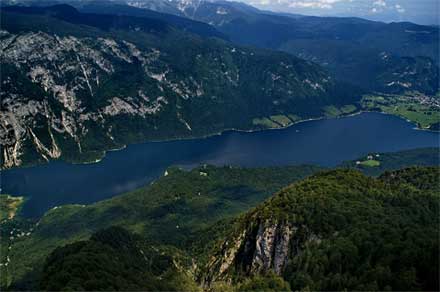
column 280, row 121
column 415, row 107
column 348, row 109
column 370, row 163
column 294, row 118
column 423, row 110
column 275, row 121
column 332, row 111
column 265, row 122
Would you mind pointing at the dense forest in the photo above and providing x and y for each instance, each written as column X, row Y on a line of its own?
column 340, row 230
column 332, row 230
column 111, row 80
column 112, row 260
column 80, row 78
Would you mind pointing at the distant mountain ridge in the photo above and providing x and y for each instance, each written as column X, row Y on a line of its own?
column 117, row 19
column 351, row 48
column 137, row 80
column 76, row 84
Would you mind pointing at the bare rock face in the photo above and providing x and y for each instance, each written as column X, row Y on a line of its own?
column 271, row 247
column 63, row 73
column 73, row 95
column 265, row 247
column 71, row 81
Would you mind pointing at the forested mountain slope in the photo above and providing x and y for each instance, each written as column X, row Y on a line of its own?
column 76, row 84
column 171, row 212
column 393, row 57
column 125, row 261
column 388, row 226
column 338, row 231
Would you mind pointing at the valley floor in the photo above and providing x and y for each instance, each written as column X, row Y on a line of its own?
column 420, row 109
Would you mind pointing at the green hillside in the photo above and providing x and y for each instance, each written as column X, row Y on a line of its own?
column 335, row 230
column 86, row 83
column 113, row 260
column 170, row 212
column 338, row 230
column 176, row 211
column 385, row 57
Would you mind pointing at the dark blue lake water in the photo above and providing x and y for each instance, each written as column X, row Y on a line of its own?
column 323, row 142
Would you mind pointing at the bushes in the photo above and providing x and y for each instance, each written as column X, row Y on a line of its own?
column 270, row 282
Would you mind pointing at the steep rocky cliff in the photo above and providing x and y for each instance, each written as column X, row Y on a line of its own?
column 331, row 231
column 51, row 90
column 75, row 85
column 334, row 231
column 264, row 247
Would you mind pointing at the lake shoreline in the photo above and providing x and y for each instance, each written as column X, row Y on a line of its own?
column 219, row 133
column 326, row 142
column 256, row 131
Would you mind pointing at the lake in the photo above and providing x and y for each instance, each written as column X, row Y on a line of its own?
column 322, row 142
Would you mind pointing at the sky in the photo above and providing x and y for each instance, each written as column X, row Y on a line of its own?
column 418, row 11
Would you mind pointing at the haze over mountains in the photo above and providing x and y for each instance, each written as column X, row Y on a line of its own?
column 107, row 73
column 361, row 51
column 77, row 84
column 421, row 12
column 353, row 49
column 79, row 78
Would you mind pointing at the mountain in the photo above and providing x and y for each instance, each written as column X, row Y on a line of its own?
column 389, row 58
column 125, row 261
column 119, row 17
column 169, row 213
column 76, row 84
column 377, row 56
column 185, row 215
column 334, row 230
column 338, row 231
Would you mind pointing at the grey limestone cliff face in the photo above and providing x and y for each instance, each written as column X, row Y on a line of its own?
column 263, row 248
column 75, row 96
column 271, row 247
column 49, row 82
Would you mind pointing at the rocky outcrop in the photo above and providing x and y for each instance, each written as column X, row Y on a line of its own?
column 72, row 92
column 271, row 247
column 265, row 247
column 63, row 73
